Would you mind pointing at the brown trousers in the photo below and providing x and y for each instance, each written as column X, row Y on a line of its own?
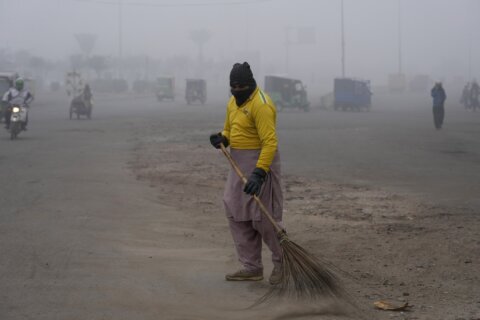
column 247, row 224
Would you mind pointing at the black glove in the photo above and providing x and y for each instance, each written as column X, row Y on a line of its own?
column 217, row 138
column 255, row 181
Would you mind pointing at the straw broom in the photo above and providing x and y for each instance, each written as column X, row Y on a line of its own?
column 304, row 276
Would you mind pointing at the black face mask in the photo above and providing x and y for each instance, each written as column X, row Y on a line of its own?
column 243, row 95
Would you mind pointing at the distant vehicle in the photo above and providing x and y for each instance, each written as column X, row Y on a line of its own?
column 19, row 116
column 287, row 93
column 165, row 88
column 6, row 82
column 352, row 94
column 196, row 90
column 80, row 106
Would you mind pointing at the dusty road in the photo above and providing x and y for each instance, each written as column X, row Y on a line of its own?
column 121, row 217
column 394, row 146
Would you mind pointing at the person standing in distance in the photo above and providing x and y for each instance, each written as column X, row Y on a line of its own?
column 250, row 131
column 439, row 96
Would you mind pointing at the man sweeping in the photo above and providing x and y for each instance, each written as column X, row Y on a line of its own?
column 250, row 131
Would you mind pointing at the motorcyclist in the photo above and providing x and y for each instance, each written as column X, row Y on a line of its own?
column 87, row 93
column 87, row 97
column 18, row 92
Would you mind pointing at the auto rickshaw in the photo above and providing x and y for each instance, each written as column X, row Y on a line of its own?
column 6, row 82
column 196, row 90
column 165, row 88
column 287, row 93
column 81, row 106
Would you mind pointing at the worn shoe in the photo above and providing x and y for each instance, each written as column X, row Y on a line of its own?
column 276, row 276
column 245, row 275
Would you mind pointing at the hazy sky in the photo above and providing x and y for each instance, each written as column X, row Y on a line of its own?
column 436, row 34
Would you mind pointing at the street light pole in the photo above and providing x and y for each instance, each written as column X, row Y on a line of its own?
column 470, row 7
column 400, row 68
column 343, row 41
column 470, row 57
column 120, row 36
column 287, row 49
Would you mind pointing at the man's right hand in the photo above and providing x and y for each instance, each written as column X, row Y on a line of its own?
column 216, row 139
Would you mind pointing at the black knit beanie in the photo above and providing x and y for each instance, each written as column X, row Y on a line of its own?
column 242, row 75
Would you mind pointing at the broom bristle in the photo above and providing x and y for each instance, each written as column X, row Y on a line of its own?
column 304, row 276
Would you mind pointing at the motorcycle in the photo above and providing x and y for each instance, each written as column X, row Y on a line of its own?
column 18, row 119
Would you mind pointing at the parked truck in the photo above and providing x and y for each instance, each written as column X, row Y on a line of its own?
column 352, row 94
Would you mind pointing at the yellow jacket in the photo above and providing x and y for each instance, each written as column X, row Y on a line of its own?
column 252, row 126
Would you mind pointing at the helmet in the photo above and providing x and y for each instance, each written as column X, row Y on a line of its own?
column 19, row 84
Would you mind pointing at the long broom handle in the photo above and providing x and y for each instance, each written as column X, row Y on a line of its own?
column 263, row 209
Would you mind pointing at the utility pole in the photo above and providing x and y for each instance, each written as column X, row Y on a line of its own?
column 287, row 49
column 470, row 7
column 120, row 39
column 343, row 41
column 470, row 57
column 400, row 68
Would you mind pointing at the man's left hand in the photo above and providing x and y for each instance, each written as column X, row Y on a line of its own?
column 255, row 181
